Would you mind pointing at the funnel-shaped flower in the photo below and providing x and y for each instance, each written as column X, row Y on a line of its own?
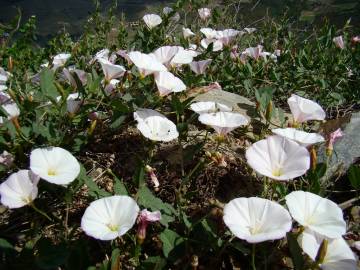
column 227, row 36
column 110, row 70
column 301, row 137
column 167, row 83
column 155, row 126
column 55, row 165
column 217, row 44
column 339, row 42
column 152, row 20
column 187, row 32
column 304, row 109
column 183, row 57
column 223, row 122
column 146, row 64
column 60, row 59
column 200, row 67
column 256, row 219
column 166, row 53
column 209, row 107
column 316, row 213
column 209, row 32
column 204, row 13
column 103, row 54
column 254, row 52
column 278, row 158
column 19, row 189
column 333, row 137
column 11, row 109
column 110, row 217
column 145, row 217
column 338, row 254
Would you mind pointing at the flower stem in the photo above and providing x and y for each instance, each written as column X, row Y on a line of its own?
column 253, row 257
column 40, row 211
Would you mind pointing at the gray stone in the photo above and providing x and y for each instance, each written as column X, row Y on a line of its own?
column 346, row 149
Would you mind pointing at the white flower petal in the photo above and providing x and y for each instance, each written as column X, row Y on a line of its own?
column 200, row 66
column 316, row 213
column 19, row 189
column 304, row 109
column 55, row 165
column 301, row 137
column 256, row 220
column 152, row 20
column 110, row 70
column 167, row 83
column 278, row 158
column 110, row 217
column 146, row 64
column 209, row 107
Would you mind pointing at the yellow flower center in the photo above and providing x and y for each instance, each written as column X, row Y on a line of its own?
column 113, row 228
column 52, row 172
column 277, row 172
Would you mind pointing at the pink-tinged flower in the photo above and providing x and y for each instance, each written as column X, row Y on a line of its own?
column 332, row 138
column 304, row 109
column 204, row 13
column 165, row 54
column 146, row 64
column 69, row 75
column 124, row 54
column 226, row 36
column 254, row 52
column 167, row 83
column 234, row 53
column 355, row 39
column 110, row 70
column 199, row 67
column 60, row 60
column 144, row 218
column 6, row 159
column 217, row 44
column 278, row 158
column 339, row 42
column 153, row 177
column 103, row 54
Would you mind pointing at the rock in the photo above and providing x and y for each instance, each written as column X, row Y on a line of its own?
column 346, row 149
column 239, row 103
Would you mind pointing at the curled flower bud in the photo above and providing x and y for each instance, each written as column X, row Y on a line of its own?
column 153, row 177
column 6, row 159
column 332, row 138
column 143, row 221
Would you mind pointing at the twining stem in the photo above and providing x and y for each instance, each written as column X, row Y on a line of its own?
column 39, row 211
column 253, row 257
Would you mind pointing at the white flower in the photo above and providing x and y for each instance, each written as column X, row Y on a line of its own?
column 110, row 217
column 183, row 57
column 227, row 36
column 152, row 20
column 254, row 52
column 257, row 220
column 165, row 54
column 110, row 70
column 209, row 107
column 155, row 126
column 250, row 30
column 316, row 213
column 301, row 137
column 55, row 165
column 3, row 87
column 339, row 42
column 11, row 109
column 167, row 83
column 304, row 109
column 60, row 59
column 19, row 189
column 187, row 32
column 278, row 158
column 217, row 44
column 103, row 54
column 209, row 32
column 338, row 254
column 73, row 103
column 199, row 67
column 146, row 64
column 167, row 10
column 204, row 13
column 223, row 122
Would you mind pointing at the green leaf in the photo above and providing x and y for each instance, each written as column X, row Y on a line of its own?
column 170, row 240
column 49, row 256
column 115, row 259
column 295, row 252
column 47, row 83
column 6, row 246
column 94, row 190
column 119, row 187
column 354, row 176
column 147, row 199
column 153, row 263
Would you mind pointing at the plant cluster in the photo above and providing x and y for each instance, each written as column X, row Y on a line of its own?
column 109, row 133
